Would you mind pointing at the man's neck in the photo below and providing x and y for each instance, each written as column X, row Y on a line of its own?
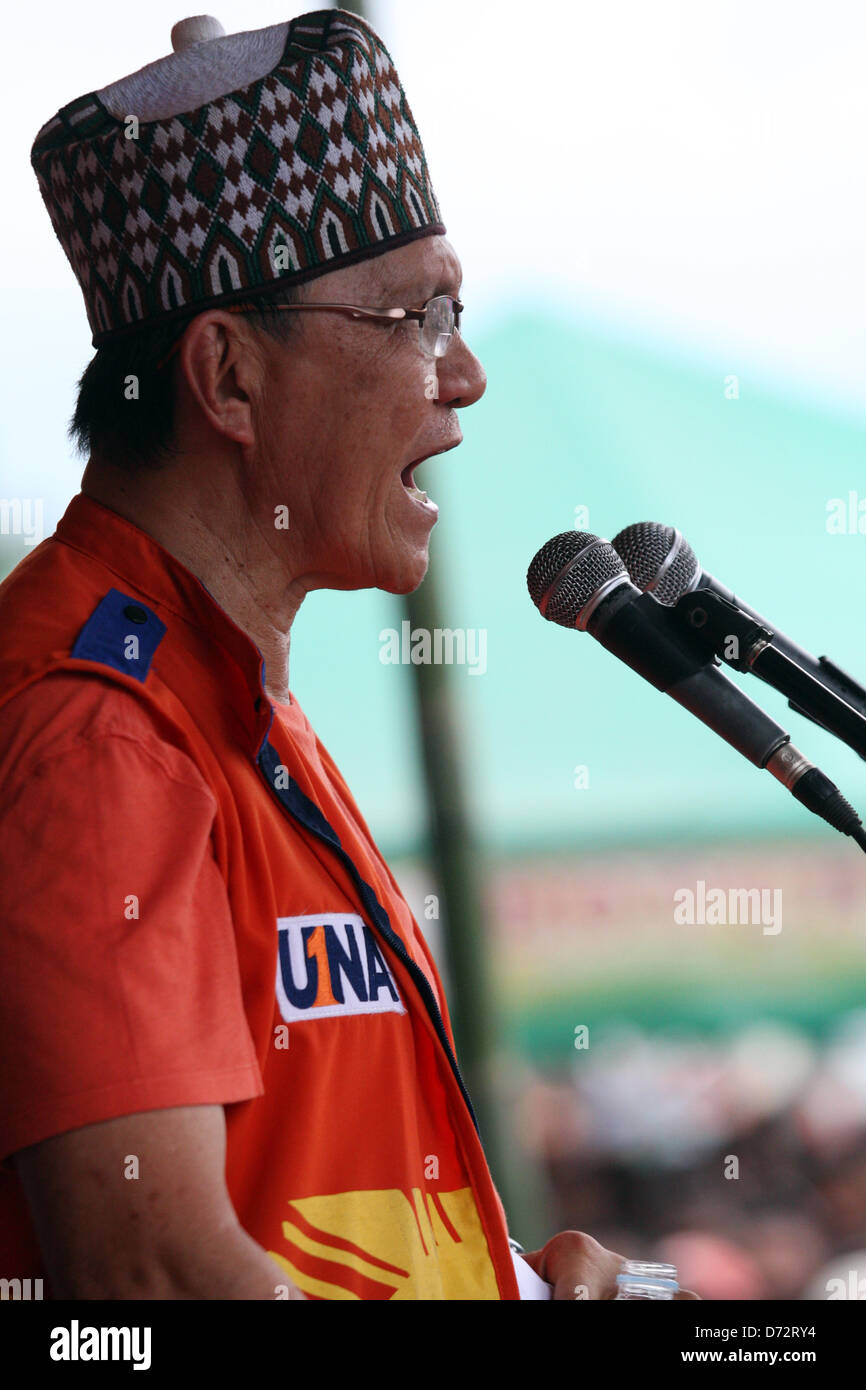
column 216, row 539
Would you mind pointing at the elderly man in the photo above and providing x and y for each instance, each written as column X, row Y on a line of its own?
column 234, row 1072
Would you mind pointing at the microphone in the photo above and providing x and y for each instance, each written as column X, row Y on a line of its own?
column 579, row 581
column 660, row 561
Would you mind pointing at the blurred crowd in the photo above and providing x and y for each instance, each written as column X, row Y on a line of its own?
column 740, row 1160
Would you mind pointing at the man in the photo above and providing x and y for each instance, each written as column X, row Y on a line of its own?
column 234, row 1072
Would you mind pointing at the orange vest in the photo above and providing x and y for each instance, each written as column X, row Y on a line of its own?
column 205, row 918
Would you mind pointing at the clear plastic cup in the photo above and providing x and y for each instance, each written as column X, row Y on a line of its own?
column 646, row 1280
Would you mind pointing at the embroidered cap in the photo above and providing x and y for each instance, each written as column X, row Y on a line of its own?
column 235, row 162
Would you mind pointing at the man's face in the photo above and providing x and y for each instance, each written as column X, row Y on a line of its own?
column 348, row 406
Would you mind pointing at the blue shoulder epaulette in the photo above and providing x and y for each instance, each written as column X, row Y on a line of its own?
column 121, row 632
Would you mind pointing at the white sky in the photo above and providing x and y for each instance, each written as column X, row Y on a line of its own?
column 692, row 171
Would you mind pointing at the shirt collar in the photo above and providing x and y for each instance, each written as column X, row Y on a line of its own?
column 139, row 560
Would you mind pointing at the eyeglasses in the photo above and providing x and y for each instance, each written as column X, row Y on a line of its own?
column 438, row 319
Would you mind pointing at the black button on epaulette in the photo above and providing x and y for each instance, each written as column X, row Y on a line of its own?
column 134, row 613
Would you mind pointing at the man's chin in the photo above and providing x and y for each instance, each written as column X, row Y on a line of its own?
column 407, row 577
column 406, row 584
column 392, row 576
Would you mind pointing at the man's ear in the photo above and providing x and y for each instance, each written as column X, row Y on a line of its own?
column 222, row 368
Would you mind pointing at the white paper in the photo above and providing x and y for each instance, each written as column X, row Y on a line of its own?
column 531, row 1285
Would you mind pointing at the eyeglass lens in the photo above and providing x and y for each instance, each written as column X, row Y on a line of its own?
column 438, row 326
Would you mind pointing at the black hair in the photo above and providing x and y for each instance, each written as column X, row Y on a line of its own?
column 124, row 411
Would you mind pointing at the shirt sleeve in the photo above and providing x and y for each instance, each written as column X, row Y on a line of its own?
column 121, row 987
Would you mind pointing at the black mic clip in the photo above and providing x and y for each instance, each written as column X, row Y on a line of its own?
column 724, row 629
column 734, row 636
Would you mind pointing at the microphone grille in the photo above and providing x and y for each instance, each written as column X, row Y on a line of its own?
column 551, row 559
column 571, row 590
column 645, row 548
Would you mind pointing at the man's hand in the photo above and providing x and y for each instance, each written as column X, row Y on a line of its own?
column 578, row 1267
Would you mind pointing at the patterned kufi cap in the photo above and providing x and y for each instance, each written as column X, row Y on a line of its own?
column 278, row 154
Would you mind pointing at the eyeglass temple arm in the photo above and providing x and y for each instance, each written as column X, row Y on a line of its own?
column 356, row 310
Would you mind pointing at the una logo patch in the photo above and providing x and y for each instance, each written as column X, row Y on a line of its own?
column 332, row 966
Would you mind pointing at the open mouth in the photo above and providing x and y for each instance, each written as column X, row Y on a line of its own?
column 407, row 478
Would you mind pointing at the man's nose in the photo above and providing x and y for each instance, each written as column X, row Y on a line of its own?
column 462, row 379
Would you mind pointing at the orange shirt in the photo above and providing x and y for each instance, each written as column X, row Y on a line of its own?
column 195, row 912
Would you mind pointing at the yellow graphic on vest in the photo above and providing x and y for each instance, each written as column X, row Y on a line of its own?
column 387, row 1244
